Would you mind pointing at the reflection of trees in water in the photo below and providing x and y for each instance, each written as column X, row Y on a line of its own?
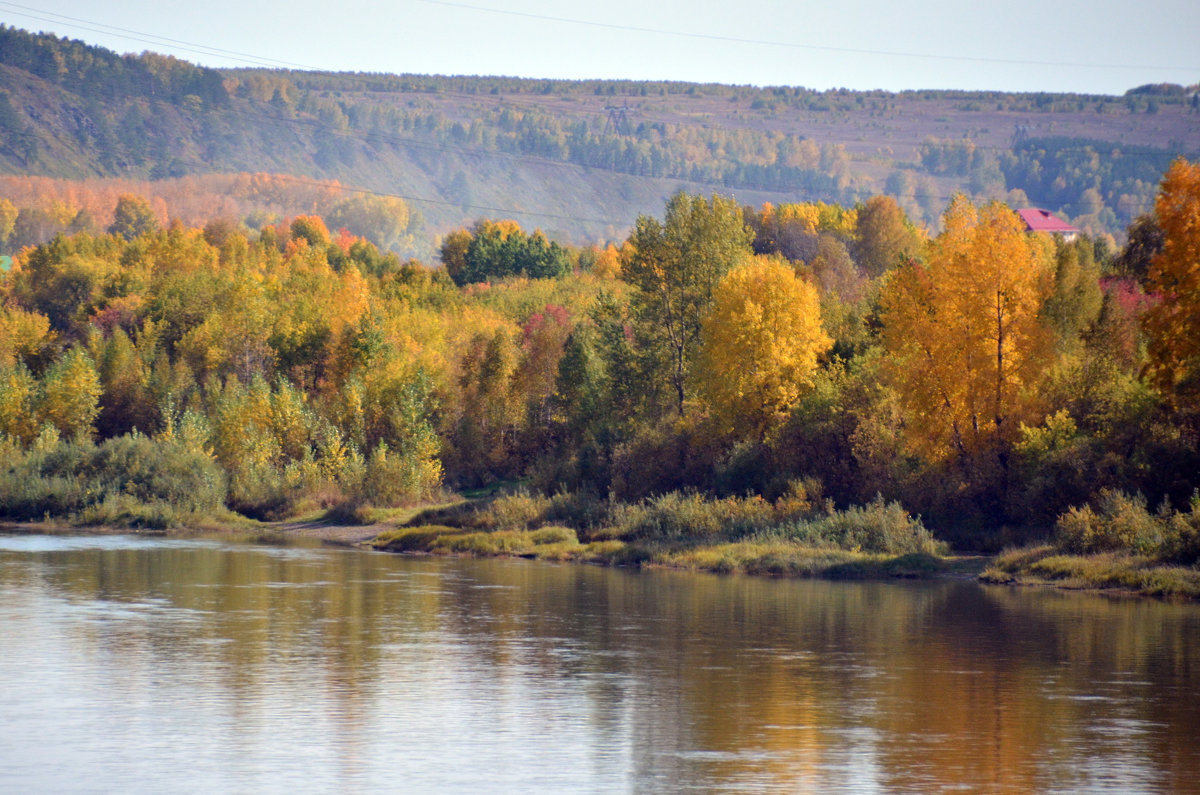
column 679, row 679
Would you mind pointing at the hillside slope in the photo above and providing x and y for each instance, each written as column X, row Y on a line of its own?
column 581, row 159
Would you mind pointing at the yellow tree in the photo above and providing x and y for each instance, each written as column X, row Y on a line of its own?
column 8, row 220
column 70, row 398
column 759, row 345
column 1173, row 325
column 608, row 263
column 962, row 329
column 18, row 403
column 23, row 335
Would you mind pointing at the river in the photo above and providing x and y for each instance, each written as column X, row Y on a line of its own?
column 137, row 664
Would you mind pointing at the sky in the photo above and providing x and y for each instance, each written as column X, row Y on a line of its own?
column 1099, row 47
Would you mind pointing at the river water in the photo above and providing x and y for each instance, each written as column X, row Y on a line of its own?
column 131, row 664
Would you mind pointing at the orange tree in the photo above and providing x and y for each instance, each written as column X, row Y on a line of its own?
column 962, row 328
column 1173, row 324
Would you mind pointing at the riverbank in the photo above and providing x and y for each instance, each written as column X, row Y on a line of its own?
column 520, row 526
column 1114, row 572
column 1041, row 566
column 778, row 558
column 795, row 537
column 313, row 530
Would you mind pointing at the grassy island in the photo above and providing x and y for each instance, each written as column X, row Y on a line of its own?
column 789, row 537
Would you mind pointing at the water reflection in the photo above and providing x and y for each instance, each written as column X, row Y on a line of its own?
column 197, row 664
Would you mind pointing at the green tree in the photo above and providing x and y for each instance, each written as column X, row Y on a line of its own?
column 491, row 411
column 384, row 220
column 454, row 253
column 1075, row 305
column 674, row 266
column 884, row 236
column 311, row 229
column 61, row 282
column 1146, row 241
column 126, row 402
column 132, row 217
column 498, row 251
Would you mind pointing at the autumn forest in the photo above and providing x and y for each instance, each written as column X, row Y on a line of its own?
column 833, row 373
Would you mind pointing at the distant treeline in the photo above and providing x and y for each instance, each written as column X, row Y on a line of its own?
column 34, row 210
column 1100, row 185
column 158, row 117
column 101, row 75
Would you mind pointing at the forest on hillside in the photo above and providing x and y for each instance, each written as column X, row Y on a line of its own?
column 582, row 158
column 748, row 362
column 34, row 210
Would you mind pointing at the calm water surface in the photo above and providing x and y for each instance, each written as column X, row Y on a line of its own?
column 145, row 665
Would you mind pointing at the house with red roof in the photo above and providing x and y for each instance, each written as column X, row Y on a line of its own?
column 1039, row 220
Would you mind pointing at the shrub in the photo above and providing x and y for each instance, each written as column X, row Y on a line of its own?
column 129, row 480
column 1182, row 542
column 580, row 510
column 1121, row 523
column 150, row 472
column 517, row 511
column 259, row 491
column 676, row 515
column 880, row 527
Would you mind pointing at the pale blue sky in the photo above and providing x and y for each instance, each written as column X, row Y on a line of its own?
column 1090, row 47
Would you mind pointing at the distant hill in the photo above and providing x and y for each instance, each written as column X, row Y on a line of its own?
column 581, row 159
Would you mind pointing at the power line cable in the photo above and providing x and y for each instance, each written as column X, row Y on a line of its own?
column 366, row 135
column 245, row 57
column 532, row 101
column 148, row 38
column 797, row 45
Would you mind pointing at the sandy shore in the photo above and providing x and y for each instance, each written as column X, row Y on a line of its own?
column 347, row 535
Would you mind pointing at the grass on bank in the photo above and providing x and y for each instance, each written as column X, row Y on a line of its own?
column 797, row 535
column 1116, row 545
column 770, row 558
column 1121, row 571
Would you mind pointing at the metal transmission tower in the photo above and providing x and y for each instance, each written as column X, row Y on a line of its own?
column 1020, row 133
column 618, row 120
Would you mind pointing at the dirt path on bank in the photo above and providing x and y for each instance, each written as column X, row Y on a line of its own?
column 344, row 534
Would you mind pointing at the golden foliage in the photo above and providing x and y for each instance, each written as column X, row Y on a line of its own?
column 608, row 262
column 811, row 217
column 18, row 410
column 22, row 334
column 502, row 228
column 759, row 345
column 1174, row 323
column 968, row 348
